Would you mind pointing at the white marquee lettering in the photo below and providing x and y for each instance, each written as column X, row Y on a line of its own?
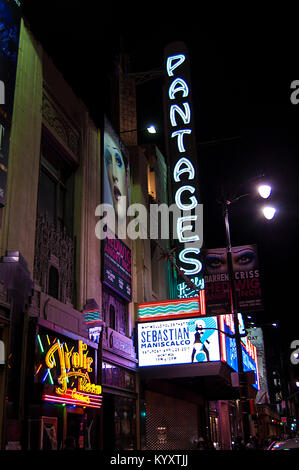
column 177, row 59
column 197, row 264
column 179, row 134
column 185, row 207
column 178, row 85
column 185, row 115
column 183, row 168
column 181, row 228
column 178, row 171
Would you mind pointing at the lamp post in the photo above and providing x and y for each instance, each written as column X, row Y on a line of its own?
column 264, row 190
column 234, row 312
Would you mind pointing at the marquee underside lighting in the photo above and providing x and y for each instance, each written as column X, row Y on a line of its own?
column 89, row 401
column 171, row 309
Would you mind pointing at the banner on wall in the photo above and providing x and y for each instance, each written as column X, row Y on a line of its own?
column 182, row 341
column 256, row 337
column 116, row 177
column 116, row 255
column 116, row 267
column 10, row 19
column 246, row 279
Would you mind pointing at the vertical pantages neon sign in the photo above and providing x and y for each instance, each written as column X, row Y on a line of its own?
column 182, row 159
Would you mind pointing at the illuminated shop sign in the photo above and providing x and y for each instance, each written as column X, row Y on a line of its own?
column 229, row 349
column 66, row 369
column 185, row 291
column 228, row 345
column 172, row 309
column 185, row 341
column 249, row 357
column 182, row 158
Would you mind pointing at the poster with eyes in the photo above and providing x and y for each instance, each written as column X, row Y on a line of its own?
column 246, row 278
column 116, row 178
column 116, row 255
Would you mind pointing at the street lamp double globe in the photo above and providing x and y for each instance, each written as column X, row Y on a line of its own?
column 265, row 191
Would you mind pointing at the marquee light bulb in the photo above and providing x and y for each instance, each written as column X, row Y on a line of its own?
column 269, row 212
column 264, row 191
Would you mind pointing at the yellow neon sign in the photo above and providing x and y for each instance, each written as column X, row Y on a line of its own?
column 73, row 365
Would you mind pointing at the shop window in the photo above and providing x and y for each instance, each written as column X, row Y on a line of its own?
column 151, row 182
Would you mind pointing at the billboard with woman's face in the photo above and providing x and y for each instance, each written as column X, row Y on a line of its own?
column 116, row 174
column 116, row 256
column 246, row 279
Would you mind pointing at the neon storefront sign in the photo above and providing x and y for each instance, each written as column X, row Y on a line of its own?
column 228, row 347
column 65, row 370
column 182, row 156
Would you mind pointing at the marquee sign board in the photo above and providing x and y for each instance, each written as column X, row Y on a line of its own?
column 183, row 341
column 172, row 309
column 181, row 152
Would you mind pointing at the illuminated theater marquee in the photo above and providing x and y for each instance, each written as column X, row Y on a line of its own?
column 182, row 156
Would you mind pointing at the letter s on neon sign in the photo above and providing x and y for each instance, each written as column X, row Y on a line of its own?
column 197, row 264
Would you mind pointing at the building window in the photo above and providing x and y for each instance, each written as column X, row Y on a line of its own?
column 151, row 182
column 115, row 311
column 54, row 245
column 56, row 188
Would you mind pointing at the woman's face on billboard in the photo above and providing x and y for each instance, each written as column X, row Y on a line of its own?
column 244, row 259
column 117, row 175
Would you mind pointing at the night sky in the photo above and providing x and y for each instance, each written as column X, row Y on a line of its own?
column 242, row 68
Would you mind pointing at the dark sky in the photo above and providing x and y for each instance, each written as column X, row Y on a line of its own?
column 242, row 68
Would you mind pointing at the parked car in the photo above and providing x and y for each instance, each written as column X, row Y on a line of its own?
column 288, row 444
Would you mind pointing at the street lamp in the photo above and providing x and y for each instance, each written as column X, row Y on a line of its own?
column 269, row 212
column 151, row 129
column 264, row 191
column 234, row 312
